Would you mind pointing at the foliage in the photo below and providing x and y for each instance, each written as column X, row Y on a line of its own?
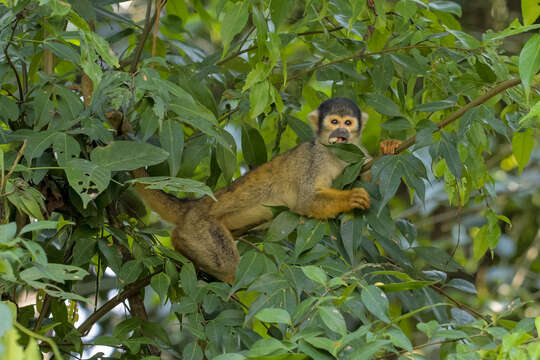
column 220, row 88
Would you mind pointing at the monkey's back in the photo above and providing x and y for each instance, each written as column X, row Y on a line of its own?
column 287, row 180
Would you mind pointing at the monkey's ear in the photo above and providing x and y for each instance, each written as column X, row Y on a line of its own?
column 314, row 118
column 363, row 122
column 365, row 118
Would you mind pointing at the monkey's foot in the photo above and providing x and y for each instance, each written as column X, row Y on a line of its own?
column 389, row 147
column 359, row 198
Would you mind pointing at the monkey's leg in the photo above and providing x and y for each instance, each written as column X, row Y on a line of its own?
column 210, row 245
column 389, row 147
column 330, row 202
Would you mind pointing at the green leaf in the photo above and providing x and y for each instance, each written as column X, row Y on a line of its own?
column 481, row 243
column 466, row 40
column 333, row 319
column 171, row 136
column 430, row 328
column 127, row 155
column 39, row 225
column 438, row 258
column 192, row 351
column 367, row 350
column 122, row 330
column 160, row 283
column 65, row 148
column 175, row 185
column 235, row 16
column 58, row 8
column 387, row 170
column 230, row 356
column 56, row 272
column 7, row 232
column 188, row 279
column 347, row 152
column 226, row 157
column 253, row 146
column 10, row 110
column 376, row 302
column 462, row 285
column 251, row 265
column 259, row 97
column 530, row 10
column 268, row 346
column 43, row 109
column 399, row 339
column 446, row 148
column 37, row 143
column 522, row 145
column 310, row 233
column 301, row 129
column 382, row 104
column 315, row 273
column 62, row 51
column 282, row 226
column 274, row 315
column 533, row 115
column 446, row 6
column 87, row 178
column 437, row 105
column 130, row 272
column 529, row 61
column 39, row 255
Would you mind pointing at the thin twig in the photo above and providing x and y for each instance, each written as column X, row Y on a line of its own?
column 35, row 335
column 149, row 22
column 159, row 6
column 6, row 53
column 459, row 304
column 5, row 179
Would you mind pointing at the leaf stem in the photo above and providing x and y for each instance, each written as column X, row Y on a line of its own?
column 35, row 335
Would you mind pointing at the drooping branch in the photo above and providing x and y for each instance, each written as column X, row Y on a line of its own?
column 500, row 87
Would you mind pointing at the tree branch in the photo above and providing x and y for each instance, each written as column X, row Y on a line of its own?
column 500, row 87
column 149, row 22
column 130, row 290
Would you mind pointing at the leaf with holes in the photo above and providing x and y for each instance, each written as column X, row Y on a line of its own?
column 86, row 178
column 65, row 148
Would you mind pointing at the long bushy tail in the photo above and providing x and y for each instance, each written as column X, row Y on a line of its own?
column 169, row 207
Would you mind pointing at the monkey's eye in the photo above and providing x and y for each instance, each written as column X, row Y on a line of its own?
column 334, row 121
column 348, row 122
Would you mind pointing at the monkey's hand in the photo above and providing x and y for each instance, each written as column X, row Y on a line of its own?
column 389, row 147
column 359, row 199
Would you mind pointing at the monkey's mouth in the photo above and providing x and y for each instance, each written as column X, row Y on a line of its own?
column 337, row 140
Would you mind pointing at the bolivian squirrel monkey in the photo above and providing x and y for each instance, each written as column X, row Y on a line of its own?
column 299, row 179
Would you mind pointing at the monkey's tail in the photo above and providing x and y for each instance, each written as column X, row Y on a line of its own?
column 169, row 207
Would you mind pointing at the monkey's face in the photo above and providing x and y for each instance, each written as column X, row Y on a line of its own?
column 336, row 129
column 337, row 120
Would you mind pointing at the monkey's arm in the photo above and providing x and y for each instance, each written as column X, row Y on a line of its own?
column 327, row 203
